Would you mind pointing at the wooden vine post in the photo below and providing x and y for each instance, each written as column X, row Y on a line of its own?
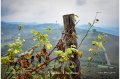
column 69, row 30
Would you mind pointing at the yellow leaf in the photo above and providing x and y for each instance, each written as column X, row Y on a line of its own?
column 90, row 59
column 80, row 53
column 91, row 49
column 16, row 51
column 5, row 60
column 49, row 45
column 100, row 44
column 28, row 56
column 72, row 66
column 35, row 32
column 69, row 51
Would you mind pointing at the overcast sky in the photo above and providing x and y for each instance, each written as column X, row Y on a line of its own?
column 48, row 11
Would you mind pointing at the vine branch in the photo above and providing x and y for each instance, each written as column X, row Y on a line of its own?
column 45, row 63
column 88, row 30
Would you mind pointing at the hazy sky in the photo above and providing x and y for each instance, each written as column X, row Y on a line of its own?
column 48, row 11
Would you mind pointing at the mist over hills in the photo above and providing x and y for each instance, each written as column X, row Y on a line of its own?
column 109, row 30
column 13, row 25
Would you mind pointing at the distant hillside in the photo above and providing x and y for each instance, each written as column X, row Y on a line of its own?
column 10, row 31
column 13, row 25
column 109, row 30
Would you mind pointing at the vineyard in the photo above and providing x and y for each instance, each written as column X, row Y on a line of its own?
column 62, row 60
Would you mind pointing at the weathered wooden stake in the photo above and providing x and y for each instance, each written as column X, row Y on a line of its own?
column 69, row 29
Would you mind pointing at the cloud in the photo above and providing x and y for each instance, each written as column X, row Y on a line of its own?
column 109, row 12
column 5, row 9
column 81, row 2
column 51, row 10
column 36, row 10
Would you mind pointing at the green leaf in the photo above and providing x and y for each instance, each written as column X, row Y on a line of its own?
column 49, row 45
column 74, row 50
column 14, row 71
column 59, row 52
column 100, row 36
column 15, row 47
column 16, row 51
column 11, row 55
column 65, row 58
column 100, row 44
column 67, row 69
column 72, row 66
column 48, row 29
column 5, row 60
column 35, row 32
column 69, row 51
column 44, row 38
column 20, row 27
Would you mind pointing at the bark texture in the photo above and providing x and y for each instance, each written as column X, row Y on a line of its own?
column 69, row 30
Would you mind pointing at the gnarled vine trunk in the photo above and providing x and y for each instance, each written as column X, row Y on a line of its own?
column 69, row 30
